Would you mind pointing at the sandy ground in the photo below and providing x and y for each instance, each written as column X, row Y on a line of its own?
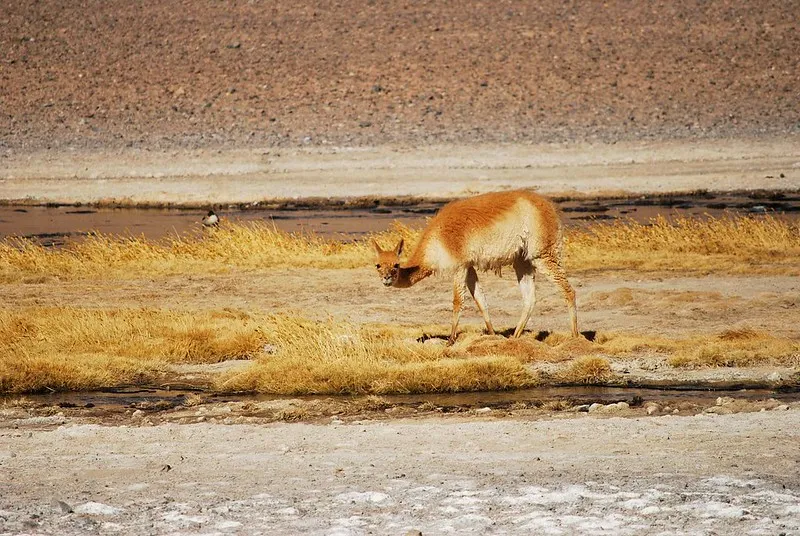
column 253, row 175
column 212, row 103
column 704, row 474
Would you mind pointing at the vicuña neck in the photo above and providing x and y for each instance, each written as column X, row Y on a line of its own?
column 411, row 275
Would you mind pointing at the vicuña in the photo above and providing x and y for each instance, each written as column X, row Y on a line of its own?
column 486, row 232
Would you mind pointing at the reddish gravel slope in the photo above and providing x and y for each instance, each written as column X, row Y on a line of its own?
column 170, row 73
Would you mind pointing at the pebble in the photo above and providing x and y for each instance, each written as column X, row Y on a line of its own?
column 782, row 407
column 652, row 408
column 63, row 507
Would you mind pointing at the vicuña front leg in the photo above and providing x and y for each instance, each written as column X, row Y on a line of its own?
column 476, row 291
column 459, row 289
column 527, row 287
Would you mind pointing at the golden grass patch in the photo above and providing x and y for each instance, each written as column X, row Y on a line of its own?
column 337, row 358
column 742, row 244
column 77, row 349
column 81, row 349
column 731, row 348
column 586, row 369
column 736, row 244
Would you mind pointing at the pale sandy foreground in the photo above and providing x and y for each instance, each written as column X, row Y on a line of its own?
column 703, row 474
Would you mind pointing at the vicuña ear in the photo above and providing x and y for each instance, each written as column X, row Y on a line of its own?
column 378, row 249
column 399, row 249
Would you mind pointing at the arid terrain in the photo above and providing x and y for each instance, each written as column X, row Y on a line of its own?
column 264, row 104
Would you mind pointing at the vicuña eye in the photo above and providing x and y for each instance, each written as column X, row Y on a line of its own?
column 397, row 266
column 378, row 266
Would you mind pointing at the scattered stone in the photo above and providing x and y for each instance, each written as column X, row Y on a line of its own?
column 138, row 414
column 782, row 407
column 619, row 406
column 775, row 377
column 483, row 410
column 652, row 408
column 96, row 509
column 583, row 408
column 595, row 407
column 63, row 507
column 724, row 400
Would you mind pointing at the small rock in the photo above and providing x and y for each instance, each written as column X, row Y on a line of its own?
column 583, row 408
column 97, row 509
column 595, row 407
column 433, row 341
column 774, row 377
column 483, row 410
column 63, row 507
column 724, row 400
column 138, row 414
column 619, row 406
column 652, row 408
column 414, row 533
column 782, row 407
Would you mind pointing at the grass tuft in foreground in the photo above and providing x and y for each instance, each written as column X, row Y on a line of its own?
column 83, row 349
column 334, row 357
column 743, row 244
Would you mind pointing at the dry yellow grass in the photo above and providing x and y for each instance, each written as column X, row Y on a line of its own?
column 730, row 245
column 737, row 348
column 335, row 357
column 80, row 349
column 742, row 244
column 586, row 369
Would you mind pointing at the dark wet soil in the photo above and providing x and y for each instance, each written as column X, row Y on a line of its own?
column 56, row 225
column 120, row 403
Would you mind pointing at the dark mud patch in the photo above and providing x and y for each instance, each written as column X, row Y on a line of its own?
column 54, row 224
column 153, row 406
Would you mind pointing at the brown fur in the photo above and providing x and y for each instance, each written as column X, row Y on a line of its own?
column 517, row 228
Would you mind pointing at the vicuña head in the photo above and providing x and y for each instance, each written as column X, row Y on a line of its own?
column 519, row 229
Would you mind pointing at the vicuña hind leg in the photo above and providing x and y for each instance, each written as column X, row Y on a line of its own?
column 527, row 286
column 480, row 299
column 555, row 272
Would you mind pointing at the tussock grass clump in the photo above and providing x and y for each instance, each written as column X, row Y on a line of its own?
column 586, row 369
column 740, row 244
column 338, row 358
column 79, row 349
column 738, row 348
column 731, row 348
